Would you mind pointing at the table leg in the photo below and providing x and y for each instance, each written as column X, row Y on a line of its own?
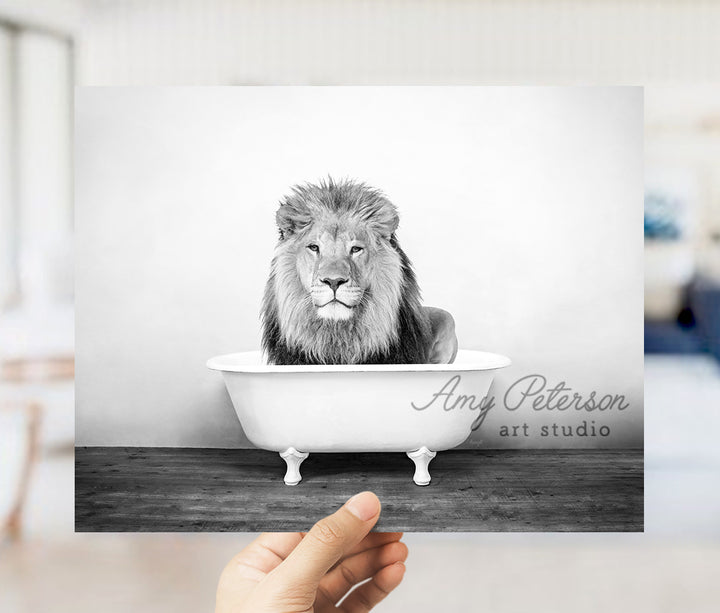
column 13, row 523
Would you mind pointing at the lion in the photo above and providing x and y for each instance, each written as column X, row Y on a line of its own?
column 341, row 290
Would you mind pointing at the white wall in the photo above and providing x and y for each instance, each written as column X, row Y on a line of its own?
column 521, row 209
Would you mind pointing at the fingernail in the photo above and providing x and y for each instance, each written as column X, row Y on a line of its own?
column 364, row 505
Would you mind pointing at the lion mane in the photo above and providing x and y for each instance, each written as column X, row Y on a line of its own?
column 387, row 326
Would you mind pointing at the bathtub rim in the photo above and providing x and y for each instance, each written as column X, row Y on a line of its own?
column 251, row 362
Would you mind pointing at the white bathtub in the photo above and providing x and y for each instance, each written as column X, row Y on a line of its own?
column 296, row 410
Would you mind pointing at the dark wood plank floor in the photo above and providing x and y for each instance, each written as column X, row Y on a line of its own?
column 121, row 489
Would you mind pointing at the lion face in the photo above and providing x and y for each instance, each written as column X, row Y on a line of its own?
column 333, row 265
column 338, row 277
column 337, row 259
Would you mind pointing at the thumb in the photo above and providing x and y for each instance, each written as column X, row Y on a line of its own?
column 327, row 542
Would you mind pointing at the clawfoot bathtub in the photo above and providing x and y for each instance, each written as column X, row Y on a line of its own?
column 418, row 409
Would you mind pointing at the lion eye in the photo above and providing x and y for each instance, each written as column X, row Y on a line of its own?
column 313, row 247
column 355, row 249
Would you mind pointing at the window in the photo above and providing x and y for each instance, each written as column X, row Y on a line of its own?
column 36, row 76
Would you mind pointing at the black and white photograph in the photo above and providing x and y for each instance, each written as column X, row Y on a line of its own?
column 286, row 295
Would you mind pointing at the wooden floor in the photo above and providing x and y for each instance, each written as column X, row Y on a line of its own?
column 120, row 489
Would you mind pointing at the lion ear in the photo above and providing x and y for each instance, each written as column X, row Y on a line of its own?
column 283, row 219
column 386, row 221
column 291, row 219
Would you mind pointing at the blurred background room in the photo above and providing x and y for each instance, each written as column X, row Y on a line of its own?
column 682, row 306
column 48, row 46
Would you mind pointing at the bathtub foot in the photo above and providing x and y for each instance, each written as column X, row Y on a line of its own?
column 422, row 458
column 293, row 458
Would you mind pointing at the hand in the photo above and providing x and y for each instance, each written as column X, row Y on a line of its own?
column 444, row 344
column 295, row 573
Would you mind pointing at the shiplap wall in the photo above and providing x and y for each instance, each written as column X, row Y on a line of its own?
column 160, row 42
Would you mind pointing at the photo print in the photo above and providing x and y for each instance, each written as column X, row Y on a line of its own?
column 287, row 295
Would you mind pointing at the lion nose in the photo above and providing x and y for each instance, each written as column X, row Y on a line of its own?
column 334, row 283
